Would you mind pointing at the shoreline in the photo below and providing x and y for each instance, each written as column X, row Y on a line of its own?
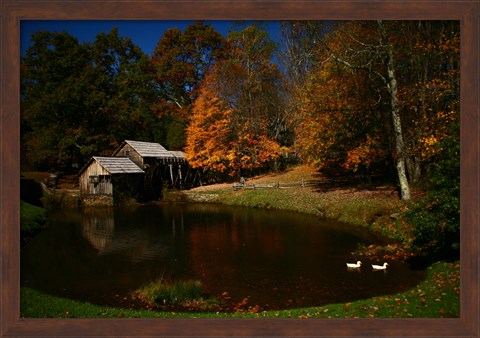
column 377, row 208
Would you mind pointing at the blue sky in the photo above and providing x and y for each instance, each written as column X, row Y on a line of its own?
column 144, row 34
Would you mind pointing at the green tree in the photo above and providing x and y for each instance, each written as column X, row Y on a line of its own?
column 180, row 62
column 124, row 89
column 53, row 97
column 436, row 217
column 80, row 100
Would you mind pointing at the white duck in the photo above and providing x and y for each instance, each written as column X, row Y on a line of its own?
column 380, row 267
column 354, row 265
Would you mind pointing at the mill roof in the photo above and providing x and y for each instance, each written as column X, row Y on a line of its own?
column 118, row 165
column 151, row 149
column 146, row 149
column 177, row 154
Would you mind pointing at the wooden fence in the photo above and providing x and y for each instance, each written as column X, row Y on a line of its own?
column 278, row 185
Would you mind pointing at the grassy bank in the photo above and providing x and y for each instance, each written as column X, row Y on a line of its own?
column 32, row 221
column 436, row 297
column 348, row 206
column 32, row 218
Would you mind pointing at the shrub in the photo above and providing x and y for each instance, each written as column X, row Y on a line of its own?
column 436, row 217
column 162, row 292
column 60, row 200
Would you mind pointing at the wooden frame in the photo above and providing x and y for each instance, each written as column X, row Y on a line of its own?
column 13, row 11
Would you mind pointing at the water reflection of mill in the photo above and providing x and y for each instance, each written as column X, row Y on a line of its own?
column 99, row 230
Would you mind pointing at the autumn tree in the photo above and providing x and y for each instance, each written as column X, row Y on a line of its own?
column 180, row 62
column 298, row 52
column 401, row 78
column 239, row 94
column 338, row 120
column 375, row 55
column 338, row 113
column 429, row 88
column 297, row 56
column 259, row 91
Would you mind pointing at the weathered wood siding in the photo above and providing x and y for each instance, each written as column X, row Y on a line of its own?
column 103, row 187
column 128, row 151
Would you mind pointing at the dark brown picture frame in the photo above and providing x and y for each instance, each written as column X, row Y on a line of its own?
column 14, row 11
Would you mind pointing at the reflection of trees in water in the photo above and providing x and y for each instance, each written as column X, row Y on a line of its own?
column 136, row 244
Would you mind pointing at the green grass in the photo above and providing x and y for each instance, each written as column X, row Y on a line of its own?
column 32, row 218
column 438, row 296
column 272, row 198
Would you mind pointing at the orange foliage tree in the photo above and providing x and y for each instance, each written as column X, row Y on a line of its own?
column 338, row 119
column 231, row 127
column 337, row 122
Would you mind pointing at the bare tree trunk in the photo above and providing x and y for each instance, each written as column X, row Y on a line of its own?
column 413, row 169
column 395, row 111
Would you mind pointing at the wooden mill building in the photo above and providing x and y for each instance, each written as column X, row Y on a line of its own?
column 163, row 168
column 111, row 176
column 149, row 165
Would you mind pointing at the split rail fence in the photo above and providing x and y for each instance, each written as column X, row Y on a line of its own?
column 278, row 185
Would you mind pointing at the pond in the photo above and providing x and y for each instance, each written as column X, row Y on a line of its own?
column 278, row 259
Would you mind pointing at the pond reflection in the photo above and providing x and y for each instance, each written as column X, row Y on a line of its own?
column 98, row 227
column 277, row 259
